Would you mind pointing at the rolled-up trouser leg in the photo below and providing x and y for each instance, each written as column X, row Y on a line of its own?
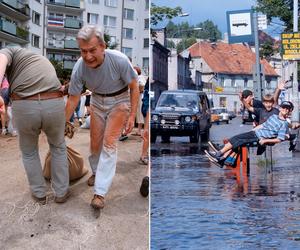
column 106, row 169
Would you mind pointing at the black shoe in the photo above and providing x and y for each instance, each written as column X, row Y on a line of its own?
column 215, row 159
column 144, row 189
column 123, row 137
column 292, row 147
column 213, row 146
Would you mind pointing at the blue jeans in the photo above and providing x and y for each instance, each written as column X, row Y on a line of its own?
column 108, row 118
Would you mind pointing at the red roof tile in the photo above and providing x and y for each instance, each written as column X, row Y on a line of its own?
column 228, row 58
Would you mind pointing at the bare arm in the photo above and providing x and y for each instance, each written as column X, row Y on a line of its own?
column 134, row 97
column 269, row 141
column 277, row 92
column 71, row 105
column 247, row 105
column 3, row 65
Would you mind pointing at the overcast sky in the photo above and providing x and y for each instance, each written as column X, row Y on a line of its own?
column 214, row 10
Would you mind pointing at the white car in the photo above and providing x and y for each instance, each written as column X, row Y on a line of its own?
column 222, row 112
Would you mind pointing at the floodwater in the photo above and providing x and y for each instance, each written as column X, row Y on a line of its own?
column 196, row 205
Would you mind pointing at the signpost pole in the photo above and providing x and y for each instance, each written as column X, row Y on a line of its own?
column 295, row 115
column 257, row 85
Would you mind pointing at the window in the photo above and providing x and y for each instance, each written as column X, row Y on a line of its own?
column 36, row 18
column 245, row 82
column 93, row 1
column 110, row 21
column 233, row 82
column 223, row 102
column 128, row 14
column 222, row 81
column 92, row 18
column 35, row 41
column 146, row 42
column 127, row 51
column 146, row 23
column 146, row 64
column 147, row 4
column 127, row 33
column 111, row 3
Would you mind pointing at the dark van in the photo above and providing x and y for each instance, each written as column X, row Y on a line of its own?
column 181, row 113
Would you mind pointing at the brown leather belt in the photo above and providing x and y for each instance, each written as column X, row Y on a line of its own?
column 39, row 96
column 115, row 93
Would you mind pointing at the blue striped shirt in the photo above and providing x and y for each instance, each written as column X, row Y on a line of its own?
column 274, row 127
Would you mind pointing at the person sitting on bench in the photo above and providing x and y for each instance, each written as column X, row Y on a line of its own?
column 274, row 130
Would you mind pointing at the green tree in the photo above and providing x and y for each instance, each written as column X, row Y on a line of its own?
column 160, row 13
column 267, row 50
column 282, row 9
column 185, row 43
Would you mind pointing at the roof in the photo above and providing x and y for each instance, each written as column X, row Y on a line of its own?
column 228, row 58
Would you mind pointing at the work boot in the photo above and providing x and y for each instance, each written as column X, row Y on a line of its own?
column 97, row 202
column 62, row 199
column 144, row 189
column 91, row 180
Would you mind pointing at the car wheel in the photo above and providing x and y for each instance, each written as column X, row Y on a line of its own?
column 153, row 137
column 165, row 138
column 195, row 137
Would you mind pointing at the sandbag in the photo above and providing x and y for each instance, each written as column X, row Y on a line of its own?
column 75, row 162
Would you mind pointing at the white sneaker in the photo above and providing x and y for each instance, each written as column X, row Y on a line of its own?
column 4, row 131
column 14, row 133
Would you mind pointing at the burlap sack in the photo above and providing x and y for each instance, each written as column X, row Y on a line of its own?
column 76, row 165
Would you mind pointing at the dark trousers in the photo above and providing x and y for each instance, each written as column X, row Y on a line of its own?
column 242, row 139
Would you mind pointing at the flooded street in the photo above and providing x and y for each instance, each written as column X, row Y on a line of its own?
column 196, row 205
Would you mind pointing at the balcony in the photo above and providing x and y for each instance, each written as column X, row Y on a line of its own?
column 60, row 5
column 71, row 44
column 73, row 23
column 15, row 9
column 66, row 23
column 11, row 32
column 69, row 64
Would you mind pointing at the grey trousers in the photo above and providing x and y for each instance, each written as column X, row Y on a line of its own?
column 32, row 117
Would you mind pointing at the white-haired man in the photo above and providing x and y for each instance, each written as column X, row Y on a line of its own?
column 109, row 75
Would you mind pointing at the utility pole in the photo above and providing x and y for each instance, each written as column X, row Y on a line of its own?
column 295, row 99
column 258, row 85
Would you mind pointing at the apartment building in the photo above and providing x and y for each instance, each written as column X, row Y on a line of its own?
column 49, row 27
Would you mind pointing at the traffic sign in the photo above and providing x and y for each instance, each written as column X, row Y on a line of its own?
column 290, row 44
column 262, row 22
column 239, row 25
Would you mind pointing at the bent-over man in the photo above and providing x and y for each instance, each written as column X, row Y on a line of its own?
column 37, row 105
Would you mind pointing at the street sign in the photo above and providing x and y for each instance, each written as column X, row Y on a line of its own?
column 239, row 26
column 219, row 89
column 290, row 44
column 262, row 22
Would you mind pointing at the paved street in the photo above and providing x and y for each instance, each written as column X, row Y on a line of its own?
column 123, row 223
column 196, row 204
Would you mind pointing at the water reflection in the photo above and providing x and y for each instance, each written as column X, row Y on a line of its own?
column 196, row 205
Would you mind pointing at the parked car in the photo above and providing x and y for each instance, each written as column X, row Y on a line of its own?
column 181, row 113
column 222, row 112
column 231, row 115
column 246, row 116
column 214, row 118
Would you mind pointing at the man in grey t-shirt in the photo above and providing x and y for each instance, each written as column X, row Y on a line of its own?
column 37, row 105
column 109, row 75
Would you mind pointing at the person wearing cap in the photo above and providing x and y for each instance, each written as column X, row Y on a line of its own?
column 109, row 75
column 274, row 130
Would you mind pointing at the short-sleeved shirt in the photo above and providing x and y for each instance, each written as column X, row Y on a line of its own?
column 29, row 73
column 114, row 74
column 262, row 114
column 256, row 104
column 274, row 127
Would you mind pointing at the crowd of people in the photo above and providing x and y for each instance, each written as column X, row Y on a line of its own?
column 113, row 100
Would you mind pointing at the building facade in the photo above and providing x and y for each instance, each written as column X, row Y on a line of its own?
column 49, row 27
